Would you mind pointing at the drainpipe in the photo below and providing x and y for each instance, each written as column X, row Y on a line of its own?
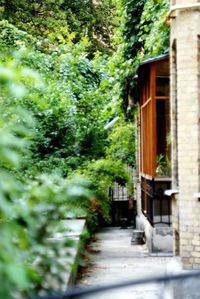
column 111, row 123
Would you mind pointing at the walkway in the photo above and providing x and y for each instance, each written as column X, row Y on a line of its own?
column 115, row 260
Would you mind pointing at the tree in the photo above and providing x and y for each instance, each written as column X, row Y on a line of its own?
column 63, row 21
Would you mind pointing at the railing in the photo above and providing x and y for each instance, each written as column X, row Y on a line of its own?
column 121, row 211
column 155, row 205
column 165, row 283
column 118, row 193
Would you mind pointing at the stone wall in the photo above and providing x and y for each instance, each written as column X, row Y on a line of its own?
column 158, row 239
column 185, row 128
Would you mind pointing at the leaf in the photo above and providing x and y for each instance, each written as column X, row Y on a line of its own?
column 17, row 274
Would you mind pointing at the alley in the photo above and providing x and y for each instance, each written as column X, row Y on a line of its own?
column 114, row 259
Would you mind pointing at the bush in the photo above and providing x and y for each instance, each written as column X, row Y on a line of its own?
column 102, row 174
column 31, row 207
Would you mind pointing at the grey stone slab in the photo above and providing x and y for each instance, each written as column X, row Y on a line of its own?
column 117, row 260
column 67, row 229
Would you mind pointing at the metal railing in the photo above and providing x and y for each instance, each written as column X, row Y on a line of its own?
column 155, row 205
column 166, row 280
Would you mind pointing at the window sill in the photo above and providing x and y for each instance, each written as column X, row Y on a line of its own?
column 171, row 192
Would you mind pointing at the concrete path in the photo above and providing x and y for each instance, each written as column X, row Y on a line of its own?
column 116, row 260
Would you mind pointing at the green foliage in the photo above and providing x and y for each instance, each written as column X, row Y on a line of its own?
column 55, row 106
column 163, row 165
column 142, row 28
column 102, row 174
column 128, row 27
column 141, row 32
column 50, row 199
column 69, row 117
column 67, row 105
column 63, row 21
column 13, row 37
column 14, row 238
column 155, row 32
column 57, row 95
column 122, row 143
column 31, row 208
column 108, row 171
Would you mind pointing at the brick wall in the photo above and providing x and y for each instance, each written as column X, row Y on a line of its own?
column 185, row 128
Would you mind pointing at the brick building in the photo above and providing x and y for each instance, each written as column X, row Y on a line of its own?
column 184, row 99
column 185, row 129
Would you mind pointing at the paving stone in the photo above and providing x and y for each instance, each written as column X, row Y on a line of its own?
column 117, row 260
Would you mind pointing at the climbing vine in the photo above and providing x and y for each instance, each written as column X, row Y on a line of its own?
column 141, row 32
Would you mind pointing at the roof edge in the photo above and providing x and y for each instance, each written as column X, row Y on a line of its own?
column 154, row 59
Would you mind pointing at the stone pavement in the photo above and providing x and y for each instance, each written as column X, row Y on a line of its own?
column 116, row 260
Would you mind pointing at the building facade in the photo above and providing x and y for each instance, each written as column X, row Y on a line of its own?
column 154, row 178
column 182, row 186
column 185, row 129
